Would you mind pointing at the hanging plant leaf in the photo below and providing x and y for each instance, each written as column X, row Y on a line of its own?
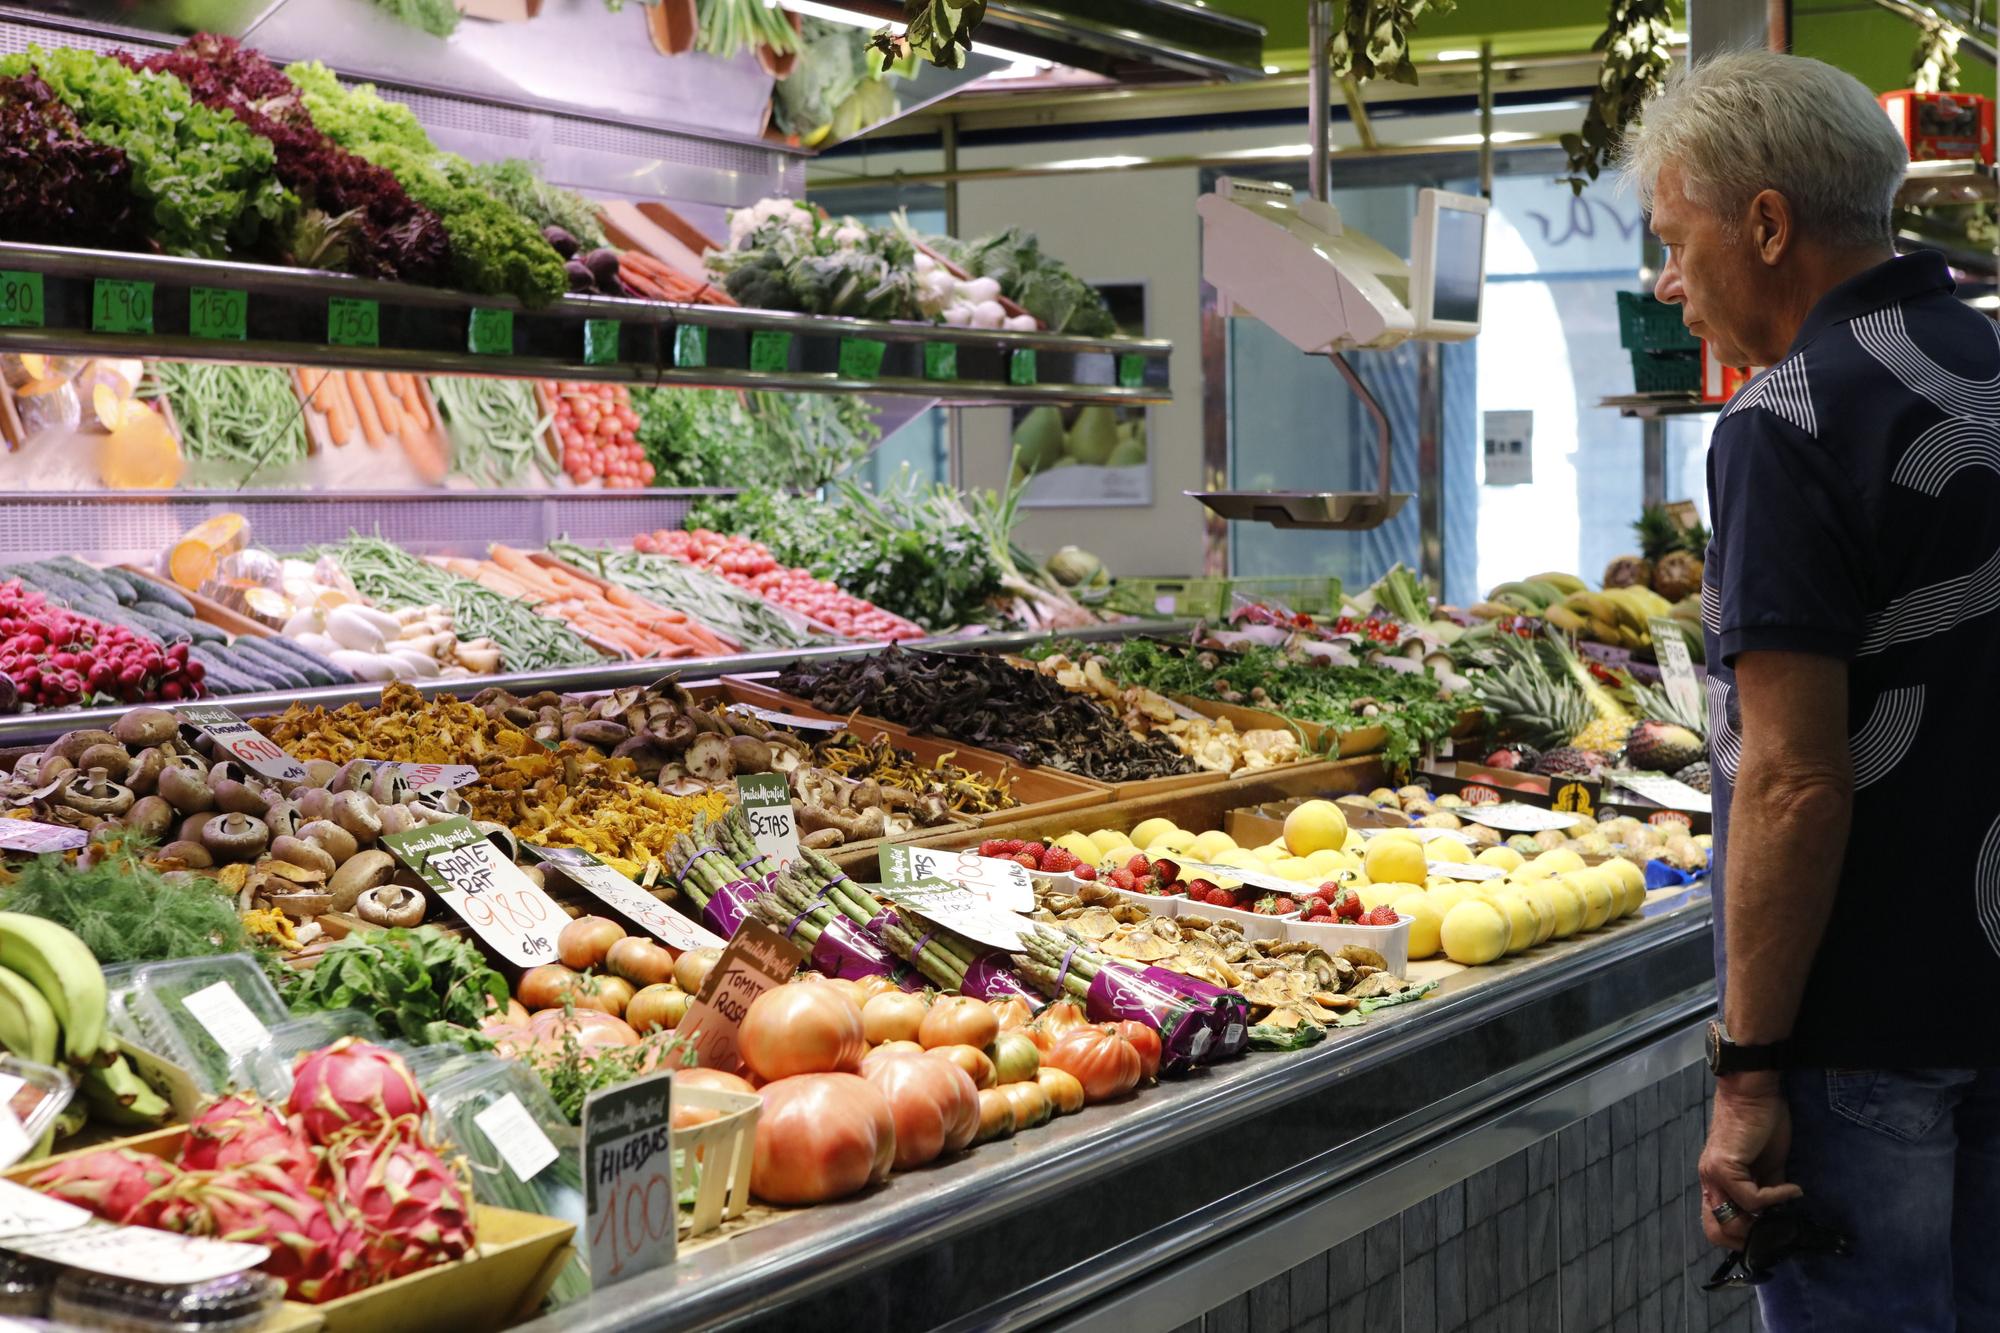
column 1634, row 44
column 1372, row 40
column 938, row 31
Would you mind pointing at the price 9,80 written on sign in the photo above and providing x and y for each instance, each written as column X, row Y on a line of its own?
column 483, row 888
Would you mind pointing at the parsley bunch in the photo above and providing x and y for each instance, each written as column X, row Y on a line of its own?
column 421, row 985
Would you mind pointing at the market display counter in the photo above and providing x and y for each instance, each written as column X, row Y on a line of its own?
column 1218, row 1185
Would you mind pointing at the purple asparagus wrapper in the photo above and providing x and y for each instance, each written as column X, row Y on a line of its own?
column 1186, row 1030
column 909, row 978
column 731, row 905
column 845, row 950
column 990, row 978
column 1232, row 1010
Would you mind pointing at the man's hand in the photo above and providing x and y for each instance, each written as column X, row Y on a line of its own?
column 1749, row 1138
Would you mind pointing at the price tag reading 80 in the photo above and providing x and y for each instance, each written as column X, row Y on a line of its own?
column 1005, row 884
column 242, row 741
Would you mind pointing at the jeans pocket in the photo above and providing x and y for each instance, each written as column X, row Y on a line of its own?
column 1904, row 1104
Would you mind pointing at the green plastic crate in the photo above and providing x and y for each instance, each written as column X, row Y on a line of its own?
column 1316, row 595
column 1647, row 324
column 1666, row 372
column 1170, row 597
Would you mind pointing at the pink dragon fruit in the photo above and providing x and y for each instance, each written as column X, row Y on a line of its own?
column 115, row 1184
column 352, row 1084
column 242, row 1128
column 316, row 1244
column 415, row 1206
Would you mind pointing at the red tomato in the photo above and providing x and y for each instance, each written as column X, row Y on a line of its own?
column 1102, row 1061
column 821, row 1137
column 1146, row 1041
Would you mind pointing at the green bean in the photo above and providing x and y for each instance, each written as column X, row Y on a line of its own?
column 496, row 428
column 392, row 578
column 244, row 415
column 715, row 602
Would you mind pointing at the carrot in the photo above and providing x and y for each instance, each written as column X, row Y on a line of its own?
column 626, row 598
column 364, row 408
column 339, row 409
column 388, row 407
column 406, row 389
column 421, row 447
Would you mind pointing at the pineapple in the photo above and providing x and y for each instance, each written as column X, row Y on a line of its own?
column 1545, row 695
column 1602, row 733
column 1675, row 553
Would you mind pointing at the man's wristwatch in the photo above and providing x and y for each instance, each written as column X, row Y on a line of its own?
column 1725, row 1057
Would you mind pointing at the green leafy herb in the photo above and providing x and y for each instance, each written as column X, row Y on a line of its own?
column 436, row 17
column 123, row 910
column 937, row 30
column 421, row 985
column 574, row 1071
column 515, row 183
column 1373, row 39
column 1635, row 44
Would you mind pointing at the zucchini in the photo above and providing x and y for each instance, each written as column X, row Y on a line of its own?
column 221, row 675
column 152, row 590
column 288, row 654
column 245, row 655
column 126, row 581
column 159, row 627
column 54, row 583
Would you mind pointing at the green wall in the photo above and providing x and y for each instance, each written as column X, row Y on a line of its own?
column 1871, row 44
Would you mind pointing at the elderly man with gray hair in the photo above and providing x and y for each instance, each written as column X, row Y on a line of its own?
column 1851, row 607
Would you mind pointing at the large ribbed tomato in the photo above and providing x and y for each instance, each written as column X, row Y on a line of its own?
column 1146, row 1041
column 820, row 1137
column 932, row 1101
column 1102, row 1061
column 801, row 1029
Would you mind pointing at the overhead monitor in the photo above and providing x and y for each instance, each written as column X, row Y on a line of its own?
column 1448, row 265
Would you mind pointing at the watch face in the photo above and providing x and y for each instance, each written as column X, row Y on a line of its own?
column 1714, row 1047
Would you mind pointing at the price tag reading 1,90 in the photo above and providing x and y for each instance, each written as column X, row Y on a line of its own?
column 353, row 323
column 487, row 891
column 121, row 306
column 218, row 312
column 861, row 358
column 230, row 732
column 20, row 300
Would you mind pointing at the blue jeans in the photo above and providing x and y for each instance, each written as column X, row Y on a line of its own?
column 1907, row 1163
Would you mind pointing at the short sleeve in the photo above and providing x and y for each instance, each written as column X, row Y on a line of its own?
column 1785, row 518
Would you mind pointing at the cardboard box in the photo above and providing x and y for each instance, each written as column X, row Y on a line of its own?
column 1942, row 126
column 517, row 1260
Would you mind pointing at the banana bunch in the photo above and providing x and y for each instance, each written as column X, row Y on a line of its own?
column 52, row 1011
column 1528, row 597
column 1617, row 616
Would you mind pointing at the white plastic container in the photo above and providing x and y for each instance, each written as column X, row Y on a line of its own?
column 1392, row 942
column 1256, row 925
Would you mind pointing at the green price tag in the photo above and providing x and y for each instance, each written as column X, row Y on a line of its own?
column 352, row 323
column 20, row 300
column 217, row 312
column 491, row 332
column 1021, row 367
column 690, row 347
column 770, row 351
column 861, row 358
column 600, row 342
column 120, row 306
column 940, row 361
column 1131, row 370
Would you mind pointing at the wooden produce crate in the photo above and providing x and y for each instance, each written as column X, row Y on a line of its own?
column 208, row 610
column 517, row 1260
column 427, row 452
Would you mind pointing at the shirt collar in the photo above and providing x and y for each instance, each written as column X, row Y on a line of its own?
column 1903, row 278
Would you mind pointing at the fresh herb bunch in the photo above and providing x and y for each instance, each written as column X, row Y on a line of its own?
column 420, row 984
column 515, row 183
column 58, row 187
column 694, row 437
column 437, row 17
column 123, row 910
column 1409, row 707
column 808, row 439
column 206, row 183
column 493, row 248
column 575, row 1071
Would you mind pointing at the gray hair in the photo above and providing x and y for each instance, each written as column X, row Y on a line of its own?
column 1747, row 121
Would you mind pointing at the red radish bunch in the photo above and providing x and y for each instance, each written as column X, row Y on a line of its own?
column 598, row 431
column 751, row 566
column 55, row 657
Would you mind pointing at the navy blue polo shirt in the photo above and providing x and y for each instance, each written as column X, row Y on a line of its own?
column 1854, row 491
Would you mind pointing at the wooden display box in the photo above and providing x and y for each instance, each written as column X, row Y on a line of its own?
column 207, row 609
column 518, row 1258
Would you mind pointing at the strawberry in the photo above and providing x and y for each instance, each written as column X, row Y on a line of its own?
column 1139, row 865
column 1347, row 904
column 1286, row 905
column 1167, row 870
column 1268, row 906
column 991, row 847
column 1011, row 847
column 1126, row 880
column 1058, row 860
column 1027, row 861
column 1326, row 893
column 1384, row 915
column 1085, row 872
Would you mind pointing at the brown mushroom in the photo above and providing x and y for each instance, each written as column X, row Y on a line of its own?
column 109, row 756
column 396, row 819
column 142, row 774
column 708, row 758
column 72, row 745
column 299, row 852
column 96, row 794
column 146, row 726
column 150, row 816
column 233, row 796
column 235, row 837
column 361, row 872
column 190, row 854
column 313, row 802
column 185, row 789
column 390, row 905
column 357, row 813
column 747, row 754
column 319, row 772
column 388, row 785
column 330, row 837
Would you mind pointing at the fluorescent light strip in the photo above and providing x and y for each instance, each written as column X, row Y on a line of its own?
column 835, row 14
column 1457, row 55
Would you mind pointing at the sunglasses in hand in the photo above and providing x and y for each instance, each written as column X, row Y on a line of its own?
column 1776, row 1234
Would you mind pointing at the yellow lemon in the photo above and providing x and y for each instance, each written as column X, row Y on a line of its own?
column 1173, row 842
column 1353, row 842
column 1560, row 861
column 1595, row 890
column 1394, row 859
column 1523, row 921
column 1544, row 904
column 1151, row 830
column 1568, row 904
column 1473, row 933
column 1108, row 841
column 1212, row 845
column 1313, row 826
column 1449, row 850
column 1447, row 896
column 1425, row 922
column 1119, row 854
column 1505, row 857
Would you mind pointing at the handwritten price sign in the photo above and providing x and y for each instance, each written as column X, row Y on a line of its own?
column 756, row 959
column 961, row 910
column 767, row 806
column 627, row 900
column 488, row 892
column 242, row 742
column 1005, row 884
column 630, row 1209
column 26, row 835
column 434, row 779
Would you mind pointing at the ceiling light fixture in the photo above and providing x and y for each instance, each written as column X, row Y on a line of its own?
column 835, row 14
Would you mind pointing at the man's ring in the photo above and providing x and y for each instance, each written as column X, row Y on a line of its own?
column 1726, row 1212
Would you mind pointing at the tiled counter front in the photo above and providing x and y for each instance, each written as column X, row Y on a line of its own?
column 1593, row 1228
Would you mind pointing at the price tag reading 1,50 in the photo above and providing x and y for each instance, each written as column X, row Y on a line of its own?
column 242, row 741
column 217, row 312
column 490, row 332
column 20, row 300
column 120, row 306
column 353, row 323
column 487, row 891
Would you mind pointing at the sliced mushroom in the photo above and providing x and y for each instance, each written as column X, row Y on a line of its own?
column 361, row 872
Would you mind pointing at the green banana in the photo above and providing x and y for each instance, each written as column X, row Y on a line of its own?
column 72, row 1120
column 28, row 1024
column 63, row 969
column 1555, row 578
column 1534, row 598
column 117, row 1095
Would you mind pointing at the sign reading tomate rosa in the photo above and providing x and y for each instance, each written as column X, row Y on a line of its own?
column 484, row 889
column 756, row 959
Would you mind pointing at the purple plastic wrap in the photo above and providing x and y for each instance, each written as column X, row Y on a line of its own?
column 1232, row 1011
column 845, row 950
column 990, row 978
column 1186, row 1029
column 730, row 906
column 909, row 978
